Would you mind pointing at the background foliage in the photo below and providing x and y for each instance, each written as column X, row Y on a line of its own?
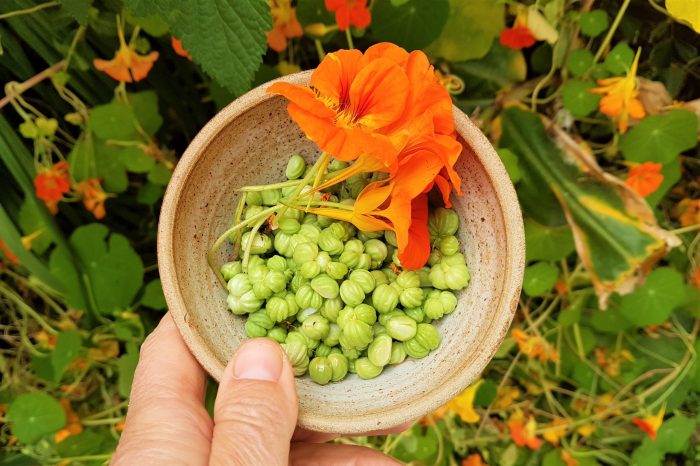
column 601, row 366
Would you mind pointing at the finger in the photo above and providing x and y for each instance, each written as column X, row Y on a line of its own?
column 324, row 454
column 166, row 422
column 256, row 407
column 303, row 435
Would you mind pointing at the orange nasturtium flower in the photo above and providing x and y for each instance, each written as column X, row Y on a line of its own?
column 688, row 212
column 73, row 425
column 51, row 183
column 612, row 362
column 535, row 346
column 505, row 396
column 9, row 255
column 695, row 278
column 651, row 423
column 350, row 12
column 473, row 460
column 522, row 430
column 568, row 459
column 177, row 47
column 645, row 178
column 519, row 35
column 93, row 196
column 620, row 99
column 555, row 431
column 284, row 24
column 127, row 66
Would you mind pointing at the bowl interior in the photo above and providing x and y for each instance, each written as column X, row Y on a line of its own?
column 250, row 143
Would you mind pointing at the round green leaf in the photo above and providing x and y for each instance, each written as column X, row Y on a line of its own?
column 580, row 60
column 660, row 138
column 619, row 59
column 68, row 347
column 159, row 174
column 153, row 295
column 578, row 99
column 486, row 393
column 412, row 24
column 653, row 302
column 594, row 22
column 547, row 243
column 510, row 160
column 539, row 278
column 34, row 415
column 112, row 121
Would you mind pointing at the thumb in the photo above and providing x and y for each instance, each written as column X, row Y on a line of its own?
column 256, row 407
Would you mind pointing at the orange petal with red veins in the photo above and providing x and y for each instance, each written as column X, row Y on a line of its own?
column 386, row 50
column 115, row 69
column 334, row 75
column 141, row 65
column 303, row 97
column 378, row 93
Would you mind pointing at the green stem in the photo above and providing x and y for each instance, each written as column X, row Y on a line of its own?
column 25, row 309
column 253, row 232
column 319, row 50
column 348, row 36
column 28, row 11
column 322, row 161
column 265, row 187
column 688, row 229
column 611, row 31
column 73, row 44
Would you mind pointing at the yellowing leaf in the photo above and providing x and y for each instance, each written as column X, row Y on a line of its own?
column 685, row 11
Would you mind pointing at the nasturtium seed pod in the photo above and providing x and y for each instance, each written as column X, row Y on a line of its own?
column 384, row 318
column 379, row 351
column 448, row 245
column 325, row 286
column 415, row 349
column 351, row 366
column 424, row 275
column 295, row 167
column 355, row 334
column 337, row 270
column 415, row 313
column 323, row 260
column 338, row 230
column 427, row 336
column 316, row 327
column 244, row 304
column 298, row 356
column 396, row 286
column 320, row 370
column 239, row 284
column 455, row 259
column 331, row 308
column 350, row 230
column 333, row 335
column 379, row 329
column 356, row 186
column 253, row 198
column 291, row 213
column 442, row 222
column 366, row 370
column 328, row 242
column 275, row 280
column 361, row 312
column 336, row 349
column 439, row 303
column 401, row 328
column 349, row 258
column 323, row 350
column 377, row 251
column 324, row 222
column 309, row 269
column 231, row 269
column 283, row 244
column 411, row 297
column 385, row 298
column 350, row 353
column 335, row 165
column 445, row 276
column 390, row 238
column 310, row 232
column 262, row 319
column 289, row 225
column 351, row 293
column 305, row 252
column 363, row 278
column 309, row 343
column 379, row 278
column 408, row 279
column 434, row 258
column 304, row 314
column 297, row 281
column 261, row 290
column 278, row 309
column 389, row 274
column 365, row 236
column 279, row 334
column 339, row 366
column 277, row 263
column 354, row 245
column 306, row 297
column 270, row 197
column 364, row 262
column 309, row 219
column 253, row 330
column 398, row 353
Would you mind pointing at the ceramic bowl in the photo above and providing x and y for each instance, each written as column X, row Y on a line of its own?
column 249, row 142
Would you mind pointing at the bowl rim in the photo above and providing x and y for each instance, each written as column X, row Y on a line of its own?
column 495, row 331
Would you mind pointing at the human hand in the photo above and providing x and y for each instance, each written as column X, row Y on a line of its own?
column 255, row 413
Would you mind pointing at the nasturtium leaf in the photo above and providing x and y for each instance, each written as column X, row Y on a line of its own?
column 159, row 174
column 501, row 67
column 110, row 167
column 114, row 270
column 154, row 25
column 153, row 295
column 112, row 121
column 145, row 107
column 411, row 25
column 647, row 454
column 610, row 320
column 672, row 174
column 68, row 347
column 593, row 22
column 547, row 243
column 660, row 138
column 571, row 314
column 584, row 376
column 31, row 222
column 88, row 442
column 580, row 60
column 486, row 393
column 81, row 159
column 136, row 160
column 313, row 11
column 619, row 59
column 34, row 415
column 78, row 9
column 578, row 99
column 226, row 38
column 539, row 278
column 10, row 459
column 510, row 161
column 541, row 58
column 42, row 367
column 471, row 27
column 149, row 194
column 655, row 300
column 127, row 365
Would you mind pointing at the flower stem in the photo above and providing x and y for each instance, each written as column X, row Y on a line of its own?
column 611, row 31
column 28, row 11
column 349, row 37
column 284, row 184
column 319, row 50
column 246, row 253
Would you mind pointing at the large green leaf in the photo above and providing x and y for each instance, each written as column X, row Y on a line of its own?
column 412, row 25
column 227, row 38
column 661, row 138
column 547, row 243
column 616, row 234
column 471, row 27
column 78, row 9
column 68, row 346
column 34, row 415
column 653, row 302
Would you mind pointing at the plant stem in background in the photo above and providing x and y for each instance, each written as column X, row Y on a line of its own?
column 28, row 11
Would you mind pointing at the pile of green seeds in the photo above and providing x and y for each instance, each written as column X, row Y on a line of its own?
column 335, row 297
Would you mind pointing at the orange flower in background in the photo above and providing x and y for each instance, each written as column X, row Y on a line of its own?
column 535, row 346
column 519, row 35
column 9, row 255
column 688, row 212
column 620, row 99
column 350, row 13
column 285, row 25
column 177, row 47
column 505, row 396
column 612, row 362
column 555, row 431
column 694, row 277
column 522, row 430
column 51, row 183
column 586, row 430
column 651, row 423
column 127, row 66
column 645, row 178
column 73, row 425
column 568, row 459
column 473, row 460
column 93, row 196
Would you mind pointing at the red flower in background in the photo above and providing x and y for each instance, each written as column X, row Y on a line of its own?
column 51, row 184
column 177, row 47
column 517, row 37
column 645, row 178
column 350, row 12
column 93, row 196
column 285, row 25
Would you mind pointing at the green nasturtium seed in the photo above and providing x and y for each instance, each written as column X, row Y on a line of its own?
column 390, row 238
column 328, row 242
column 339, row 366
column 355, row 334
column 442, row 222
column 305, row 252
column 310, row 269
column 279, row 334
column 309, row 343
column 332, row 339
column 316, row 327
column 408, row 279
column 365, row 369
column 451, row 273
column 310, row 232
column 385, row 298
column 289, row 225
column 331, row 308
column 295, row 167
column 323, row 259
column 398, row 353
column 253, row 198
column 428, row 336
column 364, row 278
column 416, row 313
column 231, row 269
column 448, row 245
column 325, row 286
column 280, row 309
column 305, row 314
column 258, row 324
column 351, row 293
column 270, row 197
column 337, row 270
column 364, row 262
column 320, row 370
column 401, row 328
column 379, row 329
column 379, row 278
column 384, row 318
column 377, row 252
column 354, row 245
column 411, row 297
column 434, row 258
column 277, row 263
column 306, row 297
column 439, row 303
column 424, row 276
column 297, row 281
column 323, row 350
column 298, row 356
column 379, row 351
column 349, row 258
column 415, row 349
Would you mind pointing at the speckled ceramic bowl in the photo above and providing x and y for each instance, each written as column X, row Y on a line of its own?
column 249, row 142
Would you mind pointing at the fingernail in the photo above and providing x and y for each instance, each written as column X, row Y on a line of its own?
column 258, row 359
